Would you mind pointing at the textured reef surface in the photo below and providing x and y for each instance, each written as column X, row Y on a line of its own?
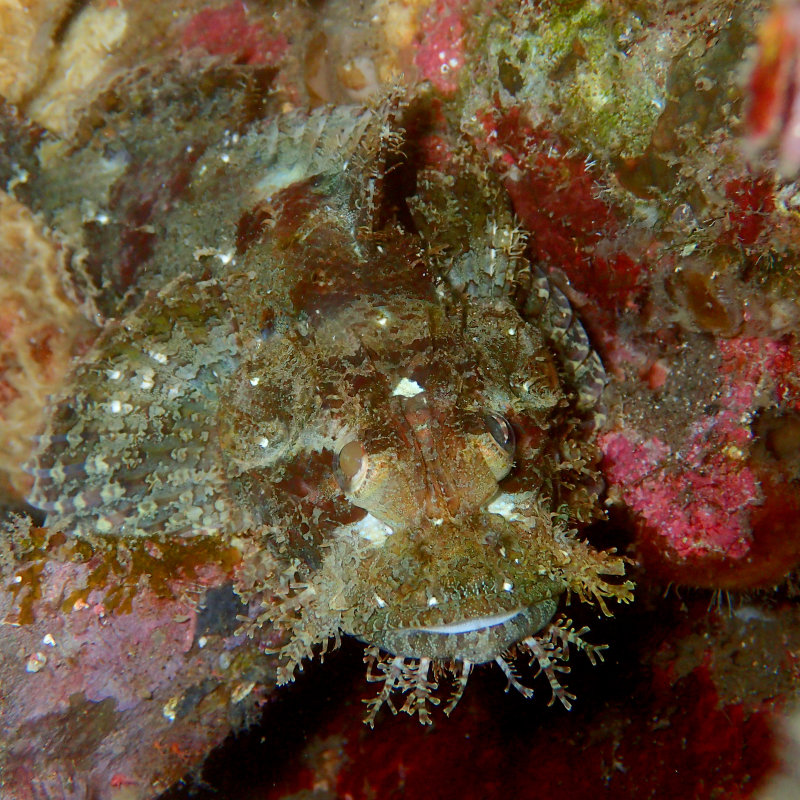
column 429, row 325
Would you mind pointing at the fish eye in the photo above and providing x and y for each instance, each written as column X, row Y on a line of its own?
column 497, row 444
column 350, row 466
column 502, row 432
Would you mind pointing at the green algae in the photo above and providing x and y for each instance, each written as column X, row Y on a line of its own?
column 576, row 59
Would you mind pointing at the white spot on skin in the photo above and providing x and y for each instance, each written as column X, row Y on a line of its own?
column 263, row 442
column 255, row 380
column 160, row 357
column 512, row 331
column 49, row 640
column 407, row 388
column 372, row 529
column 382, row 321
column 508, row 586
column 115, row 407
column 21, row 177
column 277, row 179
column 432, row 601
column 380, row 601
column 103, row 525
column 147, row 378
column 505, row 505
column 114, row 374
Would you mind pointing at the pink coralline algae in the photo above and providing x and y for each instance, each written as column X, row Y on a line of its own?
column 761, row 371
column 440, row 52
column 773, row 112
column 227, row 32
column 752, row 200
column 701, row 508
column 710, row 508
column 575, row 231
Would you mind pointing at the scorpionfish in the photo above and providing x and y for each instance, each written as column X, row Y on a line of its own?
column 331, row 352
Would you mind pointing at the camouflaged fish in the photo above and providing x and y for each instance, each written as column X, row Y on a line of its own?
column 340, row 361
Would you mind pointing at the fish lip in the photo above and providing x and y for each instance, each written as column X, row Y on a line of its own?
column 467, row 625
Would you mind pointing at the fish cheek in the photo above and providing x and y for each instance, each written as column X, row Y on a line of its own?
column 283, row 484
column 259, row 414
column 297, row 507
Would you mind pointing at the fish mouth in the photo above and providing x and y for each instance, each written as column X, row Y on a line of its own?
column 475, row 639
column 467, row 625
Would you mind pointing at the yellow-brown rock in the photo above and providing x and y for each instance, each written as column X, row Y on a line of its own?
column 27, row 32
column 39, row 327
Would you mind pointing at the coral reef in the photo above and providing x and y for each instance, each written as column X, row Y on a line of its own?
column 687, row 287
column 647, row 152
column 702, row 723
column 118, row 694
column 28, row 31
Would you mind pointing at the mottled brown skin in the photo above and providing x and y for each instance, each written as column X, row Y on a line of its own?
column 430, row 462
column 344, row 400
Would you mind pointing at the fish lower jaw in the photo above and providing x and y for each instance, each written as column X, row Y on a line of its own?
column 476, row 640
column 469, row 625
